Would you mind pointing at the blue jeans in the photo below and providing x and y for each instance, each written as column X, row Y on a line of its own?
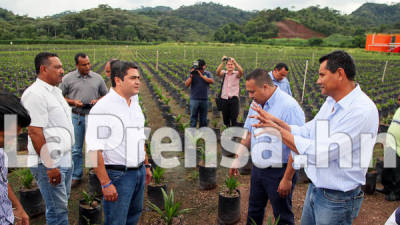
column 130, row 189
column 264, row 186
column 329, row 207
column 55, row 197
column 198, row 108
column 79, row 130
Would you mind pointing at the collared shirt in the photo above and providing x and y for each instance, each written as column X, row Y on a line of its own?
column 231, row 84
column 199, row 87
column 49, row 110
column 284, row 107
column 107, row 130
column 6, row 213
column 353, row 115
column 283, row 84
column 85, row 88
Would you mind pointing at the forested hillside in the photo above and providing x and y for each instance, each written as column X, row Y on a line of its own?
column 199, row 22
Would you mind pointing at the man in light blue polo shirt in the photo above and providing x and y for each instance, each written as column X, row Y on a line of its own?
column 273, row 177
column 331, row 143
column 278, row 76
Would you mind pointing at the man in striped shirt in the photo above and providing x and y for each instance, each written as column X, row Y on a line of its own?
column 230, row 90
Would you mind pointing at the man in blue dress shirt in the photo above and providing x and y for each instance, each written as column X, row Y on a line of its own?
column 278, row 76
column 331, row 143
column 272, row 177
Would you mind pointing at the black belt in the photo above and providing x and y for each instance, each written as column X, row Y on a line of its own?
column 123, row 168
column 284, row 165
column 78, row 112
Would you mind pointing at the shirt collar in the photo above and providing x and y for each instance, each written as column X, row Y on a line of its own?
column 274, row 97
column 45, row 84
column 118, row 97
column 272, row 76
column 80, row 75
column 346, row 101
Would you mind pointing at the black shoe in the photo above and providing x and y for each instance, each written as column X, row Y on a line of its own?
column 383, row 190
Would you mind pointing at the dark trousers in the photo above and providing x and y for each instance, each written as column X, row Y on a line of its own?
column 391, row 178
column 230, row 111
column 198, row 109
column 264, row 187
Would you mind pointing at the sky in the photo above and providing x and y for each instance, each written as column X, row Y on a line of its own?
column 41, row 8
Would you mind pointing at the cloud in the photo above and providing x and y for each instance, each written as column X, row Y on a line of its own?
column 40, row 8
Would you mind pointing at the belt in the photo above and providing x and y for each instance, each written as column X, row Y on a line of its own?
column 284, row 165
column 123, row 168
column 78, row 112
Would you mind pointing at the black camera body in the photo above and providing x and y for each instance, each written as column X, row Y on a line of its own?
column 195, row 66
column 226, row 59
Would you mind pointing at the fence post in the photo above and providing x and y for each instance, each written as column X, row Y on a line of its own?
column 384, row 70
column 157, row 61
column 304, row 82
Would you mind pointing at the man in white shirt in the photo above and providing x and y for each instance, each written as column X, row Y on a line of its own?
column 115, row 135
column 51, row 136
column 331, row 143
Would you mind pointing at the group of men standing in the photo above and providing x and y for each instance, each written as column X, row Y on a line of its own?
column 333, row 197
column 55, row 131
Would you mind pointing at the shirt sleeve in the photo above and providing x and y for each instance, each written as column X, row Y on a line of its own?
column 209, row 74
column 37, row 108
column 103, row 88
column 96, row 131
column 289, row 90
column 327, row 149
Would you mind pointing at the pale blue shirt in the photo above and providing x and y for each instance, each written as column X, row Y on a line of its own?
column 285, row 108
column 353, row 115
column 283, row 84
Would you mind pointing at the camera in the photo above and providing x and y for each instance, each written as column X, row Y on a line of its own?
column 226, row 59
column 195, row 67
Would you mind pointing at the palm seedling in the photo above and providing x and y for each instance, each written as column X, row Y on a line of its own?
column 158, row 174
column 172, row 209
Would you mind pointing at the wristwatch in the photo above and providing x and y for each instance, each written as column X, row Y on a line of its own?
column 148, row 165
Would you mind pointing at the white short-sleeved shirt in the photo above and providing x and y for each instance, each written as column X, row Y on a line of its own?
column 107, row 129
column 48, row 109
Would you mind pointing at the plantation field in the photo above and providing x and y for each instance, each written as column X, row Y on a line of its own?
column 165, row 99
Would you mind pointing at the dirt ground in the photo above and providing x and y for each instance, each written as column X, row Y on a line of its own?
column 204, row 204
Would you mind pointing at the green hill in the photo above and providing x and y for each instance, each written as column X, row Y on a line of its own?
column 199, row 22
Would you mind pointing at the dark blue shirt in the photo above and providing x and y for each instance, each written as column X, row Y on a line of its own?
column 199, row 87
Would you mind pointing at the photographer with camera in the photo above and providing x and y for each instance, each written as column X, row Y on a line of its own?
column 199, row 81
column 230, row 90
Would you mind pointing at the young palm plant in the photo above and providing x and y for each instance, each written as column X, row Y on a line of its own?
column 231, row 183
column 172, row 209
column 158, row 174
